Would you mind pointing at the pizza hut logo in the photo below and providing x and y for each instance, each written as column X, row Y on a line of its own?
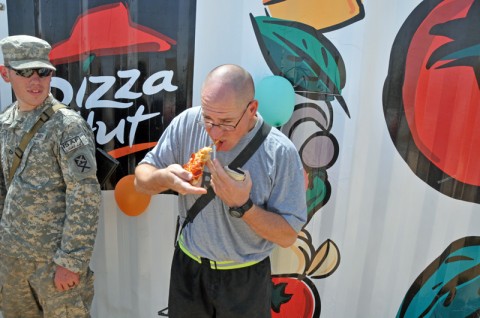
column 107, row 31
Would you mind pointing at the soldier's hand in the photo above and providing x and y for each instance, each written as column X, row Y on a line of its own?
column 65, row 279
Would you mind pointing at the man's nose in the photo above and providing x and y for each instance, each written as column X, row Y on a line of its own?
column 215, row 132
column 35, row 76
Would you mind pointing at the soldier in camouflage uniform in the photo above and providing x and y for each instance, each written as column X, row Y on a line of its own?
column 49, row 206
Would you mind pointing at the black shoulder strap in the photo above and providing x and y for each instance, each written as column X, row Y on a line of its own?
column 251, row 147
column 239, row 161
column 106, row 164
column 44, row 116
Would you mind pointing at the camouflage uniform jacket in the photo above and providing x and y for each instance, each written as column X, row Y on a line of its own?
column 50, row 209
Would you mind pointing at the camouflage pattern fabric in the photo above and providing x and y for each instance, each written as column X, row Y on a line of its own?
column 25, row 51
column 28, row 291
column 49, row 212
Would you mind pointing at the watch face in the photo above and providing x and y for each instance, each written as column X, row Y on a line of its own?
column 235, row 213
column 240, row 211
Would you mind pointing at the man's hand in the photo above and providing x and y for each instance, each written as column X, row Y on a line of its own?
column 151, row 180
column 180, row 181
column 65, row 279
column 230, row 191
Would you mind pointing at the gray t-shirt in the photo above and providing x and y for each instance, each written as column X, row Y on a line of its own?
column 278, row 186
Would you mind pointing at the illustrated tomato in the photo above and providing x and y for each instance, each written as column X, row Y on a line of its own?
column 431, row 96
column 294, row 297
column 442, row 103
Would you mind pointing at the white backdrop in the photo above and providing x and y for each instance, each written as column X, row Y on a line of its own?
column 387, row 223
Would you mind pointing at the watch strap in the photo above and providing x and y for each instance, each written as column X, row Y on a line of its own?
column 240, row 211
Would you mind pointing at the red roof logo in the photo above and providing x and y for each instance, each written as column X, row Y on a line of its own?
column 108, row 30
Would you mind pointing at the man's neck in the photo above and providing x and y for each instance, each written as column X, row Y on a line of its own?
column 26, row 108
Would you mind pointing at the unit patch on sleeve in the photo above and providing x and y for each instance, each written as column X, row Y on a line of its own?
column 82, row 164
column 73, row 143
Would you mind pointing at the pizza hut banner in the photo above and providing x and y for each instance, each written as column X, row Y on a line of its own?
column 127, row 66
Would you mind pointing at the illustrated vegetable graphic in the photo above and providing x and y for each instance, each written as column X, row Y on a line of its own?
column 294, row 294
column 292, row 297
column 449, row 286
column 305, row 57
column 323, row 15
column 431, row 96
column 316, row 70
column 318, row 151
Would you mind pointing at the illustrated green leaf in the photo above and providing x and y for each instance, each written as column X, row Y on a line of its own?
column 300, row 54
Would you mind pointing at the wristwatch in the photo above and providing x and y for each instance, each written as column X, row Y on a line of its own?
column 238, row 212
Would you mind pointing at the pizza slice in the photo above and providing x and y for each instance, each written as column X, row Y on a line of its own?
column 197, row 162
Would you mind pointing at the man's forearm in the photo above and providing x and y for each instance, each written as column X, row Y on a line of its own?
column 270, row 226
column 147, row 179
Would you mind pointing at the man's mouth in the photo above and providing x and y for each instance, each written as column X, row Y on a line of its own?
column 35, row 91
column 219, row 144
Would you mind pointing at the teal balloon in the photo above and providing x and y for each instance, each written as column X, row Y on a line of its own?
column 276, row 99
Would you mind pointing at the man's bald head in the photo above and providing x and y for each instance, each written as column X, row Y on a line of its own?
column 227, row 81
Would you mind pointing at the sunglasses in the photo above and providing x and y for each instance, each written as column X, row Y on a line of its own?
column 42, row 72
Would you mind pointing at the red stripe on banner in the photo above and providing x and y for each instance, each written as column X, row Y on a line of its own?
column 124, row 151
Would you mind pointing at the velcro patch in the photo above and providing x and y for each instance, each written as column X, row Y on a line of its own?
column 40, row 136
column 82, row 164
column 73, row 143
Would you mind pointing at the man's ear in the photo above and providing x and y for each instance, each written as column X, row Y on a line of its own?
column 4, row 73
column 254, row 106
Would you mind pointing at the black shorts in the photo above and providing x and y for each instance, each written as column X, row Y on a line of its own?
column 198, row 291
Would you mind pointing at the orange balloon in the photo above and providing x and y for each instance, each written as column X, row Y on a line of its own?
column 129, row 200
